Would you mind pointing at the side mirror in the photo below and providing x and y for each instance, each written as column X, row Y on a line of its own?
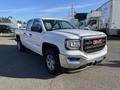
column 36, row 28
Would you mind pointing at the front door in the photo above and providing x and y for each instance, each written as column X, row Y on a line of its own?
column 36, row 38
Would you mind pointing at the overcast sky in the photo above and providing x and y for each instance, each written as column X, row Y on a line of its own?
column 26, row 9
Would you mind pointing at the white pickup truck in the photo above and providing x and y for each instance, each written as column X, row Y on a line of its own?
column 61, row 44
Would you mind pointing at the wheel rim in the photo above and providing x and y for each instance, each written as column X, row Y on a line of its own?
column 50, row 62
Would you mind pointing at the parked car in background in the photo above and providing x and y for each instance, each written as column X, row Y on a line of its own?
column 5, row 29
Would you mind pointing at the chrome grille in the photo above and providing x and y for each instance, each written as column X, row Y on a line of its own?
column 94, row 44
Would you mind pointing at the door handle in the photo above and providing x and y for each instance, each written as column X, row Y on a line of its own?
column 24, row 33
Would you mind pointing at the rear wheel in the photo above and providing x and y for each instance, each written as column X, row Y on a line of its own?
column 52, row 62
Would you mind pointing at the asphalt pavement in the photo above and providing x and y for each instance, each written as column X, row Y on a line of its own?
column 26, row 70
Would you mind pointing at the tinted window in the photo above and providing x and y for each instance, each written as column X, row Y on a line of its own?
column 29, row 24
column 36, row 23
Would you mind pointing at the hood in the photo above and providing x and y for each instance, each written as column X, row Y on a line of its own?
column 72, row 33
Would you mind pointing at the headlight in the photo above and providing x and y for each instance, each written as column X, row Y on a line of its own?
column 72, row 44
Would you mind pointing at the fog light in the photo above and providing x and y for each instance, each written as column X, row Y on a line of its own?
column 74, row 59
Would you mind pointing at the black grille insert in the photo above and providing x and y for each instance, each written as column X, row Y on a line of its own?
column 93, row 45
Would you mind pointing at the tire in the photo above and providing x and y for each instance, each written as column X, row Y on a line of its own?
column 20, row 47
column 52, row 62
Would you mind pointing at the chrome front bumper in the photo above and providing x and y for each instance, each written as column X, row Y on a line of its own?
column 73, row 62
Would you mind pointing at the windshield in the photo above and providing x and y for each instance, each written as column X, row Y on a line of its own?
column 51, row 25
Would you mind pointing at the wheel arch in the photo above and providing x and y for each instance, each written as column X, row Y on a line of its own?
column 17, row 37
column 47, row 46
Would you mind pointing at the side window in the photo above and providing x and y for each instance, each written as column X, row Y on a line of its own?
column 52, row 25
column 36, row 23
column 36, row 27
column 29, row 24
column 48, row 26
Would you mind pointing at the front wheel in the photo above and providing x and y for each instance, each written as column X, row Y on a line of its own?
column 52, row 62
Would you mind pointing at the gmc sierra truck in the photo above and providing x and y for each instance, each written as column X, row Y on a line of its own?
column 61, row 44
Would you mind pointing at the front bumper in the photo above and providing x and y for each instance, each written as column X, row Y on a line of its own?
column 72, row 63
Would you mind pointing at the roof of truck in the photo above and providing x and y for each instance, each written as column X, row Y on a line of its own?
column 104, row 4
column 53, row 19
column 49, row 18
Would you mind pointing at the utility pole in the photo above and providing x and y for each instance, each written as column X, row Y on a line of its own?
column 72, row 10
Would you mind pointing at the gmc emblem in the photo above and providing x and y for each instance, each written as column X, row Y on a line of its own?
column 97, row 42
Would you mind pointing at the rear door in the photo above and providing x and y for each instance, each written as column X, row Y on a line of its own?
column 27, row 35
